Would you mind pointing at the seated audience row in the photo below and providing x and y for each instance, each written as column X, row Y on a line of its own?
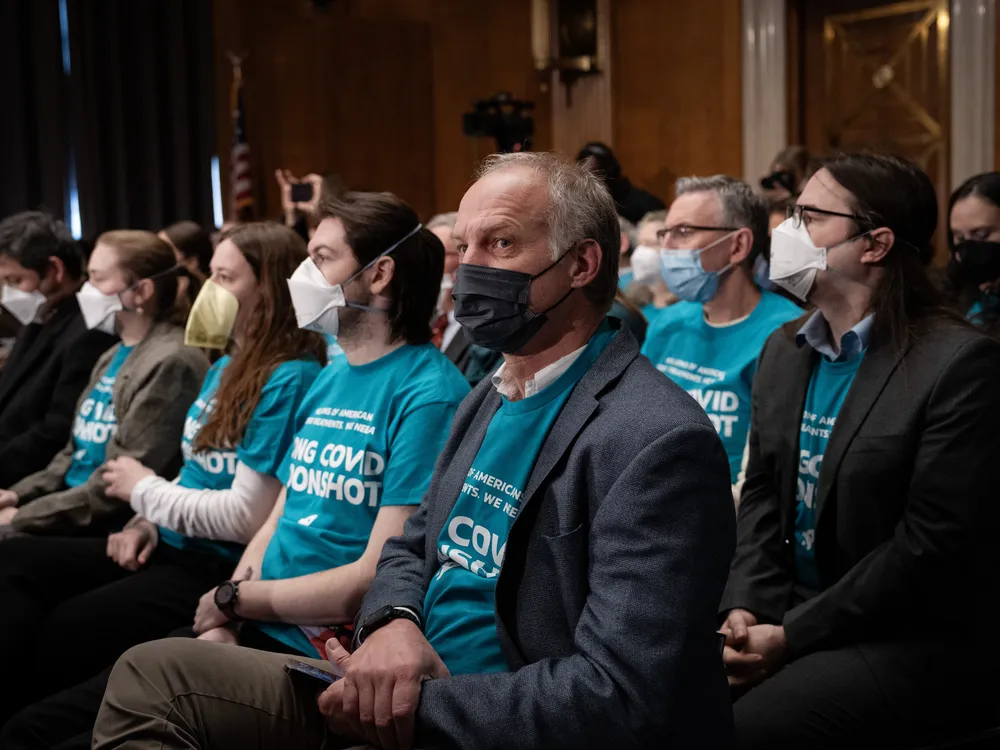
column 572, row 555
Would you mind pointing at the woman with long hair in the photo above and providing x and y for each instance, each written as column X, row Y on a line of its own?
column 146, row 580
column 867, row 528
column 974, row 241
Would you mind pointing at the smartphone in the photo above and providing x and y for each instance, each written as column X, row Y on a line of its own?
column 302, row 192
column 318, row 677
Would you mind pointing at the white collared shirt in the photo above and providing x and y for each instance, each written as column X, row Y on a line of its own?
column 545, row 377
column 450, row 331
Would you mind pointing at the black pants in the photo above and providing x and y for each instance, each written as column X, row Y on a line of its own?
column 65, row 721
column 886, row 695
column 67, row 611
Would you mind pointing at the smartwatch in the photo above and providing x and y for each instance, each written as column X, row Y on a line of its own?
column 226, row 597
column 383, row 617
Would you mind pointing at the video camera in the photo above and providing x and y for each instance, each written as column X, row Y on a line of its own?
column 502, row 118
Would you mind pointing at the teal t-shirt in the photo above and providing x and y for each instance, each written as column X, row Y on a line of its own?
column 828, row 388
column 652, row 313
column 95, row 423
column 716, row 364
column 459, row 604
column 369, row 437
column 625, row 278
column 263, row 447
column 986, row 303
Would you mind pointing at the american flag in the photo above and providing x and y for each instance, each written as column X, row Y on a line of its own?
column 240, row 177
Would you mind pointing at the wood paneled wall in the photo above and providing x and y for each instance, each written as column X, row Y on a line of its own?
column 375, row 90
column 677, row 90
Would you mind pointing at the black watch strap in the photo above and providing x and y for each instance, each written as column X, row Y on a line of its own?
column 382, row 617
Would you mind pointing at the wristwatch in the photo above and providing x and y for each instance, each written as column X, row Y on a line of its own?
column 226, row 597
column 383, row 617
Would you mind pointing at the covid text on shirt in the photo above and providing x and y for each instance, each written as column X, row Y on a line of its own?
column 327, row 480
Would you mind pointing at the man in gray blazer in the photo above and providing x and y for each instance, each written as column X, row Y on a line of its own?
column 558, row 586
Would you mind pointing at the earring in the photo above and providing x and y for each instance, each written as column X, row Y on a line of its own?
column 139, row 309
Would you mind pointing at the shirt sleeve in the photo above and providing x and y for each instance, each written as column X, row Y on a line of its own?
column 413, row 452
column 232, row 515
column 273, row 424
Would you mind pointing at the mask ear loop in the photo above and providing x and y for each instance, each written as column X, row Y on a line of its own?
column 373, row 261
column 719, row 241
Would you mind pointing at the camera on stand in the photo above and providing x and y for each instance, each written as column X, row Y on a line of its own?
column 502, row 118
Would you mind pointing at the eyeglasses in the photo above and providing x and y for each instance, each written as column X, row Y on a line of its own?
column 682, row 232
column 795, row 214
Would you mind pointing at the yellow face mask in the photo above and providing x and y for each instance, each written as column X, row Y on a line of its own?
column 212, row 318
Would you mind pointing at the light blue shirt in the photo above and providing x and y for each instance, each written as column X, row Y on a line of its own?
column 816, row 333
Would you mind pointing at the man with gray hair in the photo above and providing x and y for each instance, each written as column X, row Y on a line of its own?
column 708, row 343
column 559, row 584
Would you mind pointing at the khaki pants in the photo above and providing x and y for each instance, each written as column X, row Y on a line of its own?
column 181, row 694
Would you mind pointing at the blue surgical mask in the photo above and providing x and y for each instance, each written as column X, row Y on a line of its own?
column 684, row 275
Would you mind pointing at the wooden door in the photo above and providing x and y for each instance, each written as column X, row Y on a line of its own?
column 875, row 77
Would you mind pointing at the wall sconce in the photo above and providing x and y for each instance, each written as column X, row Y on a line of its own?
column 564, row 38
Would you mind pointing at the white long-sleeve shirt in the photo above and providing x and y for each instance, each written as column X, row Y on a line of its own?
column 232, row 515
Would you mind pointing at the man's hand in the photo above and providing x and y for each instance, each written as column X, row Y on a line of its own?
column 8, row 499
column 132, row 547
column 742, row 668
column 122, row 475
column 735, row 627
column 765, row 651
column 208, row 616
column 220, row 635
column 383, row 681
column 331, row 700
column 7, row 515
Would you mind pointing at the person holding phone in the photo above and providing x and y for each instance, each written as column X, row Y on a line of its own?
column 300, row 198
column 146, row 580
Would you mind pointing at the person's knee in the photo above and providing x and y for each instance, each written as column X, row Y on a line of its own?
column 150, row 665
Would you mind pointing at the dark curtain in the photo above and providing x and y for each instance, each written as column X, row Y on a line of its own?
column 142, row 103
column 34, row 141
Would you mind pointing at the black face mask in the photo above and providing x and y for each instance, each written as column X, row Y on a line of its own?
column 491, row 304
column 980, row 261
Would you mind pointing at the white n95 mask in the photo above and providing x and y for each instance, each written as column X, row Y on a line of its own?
column 645, row 264
column 317, row 302
column 22, row 305
column 99, row 309
column 795, row 259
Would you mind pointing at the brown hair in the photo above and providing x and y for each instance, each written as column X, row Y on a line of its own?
column 271, row 337
column 191, row 241
column 143, row 255
column 374, row 222
column 890, row 192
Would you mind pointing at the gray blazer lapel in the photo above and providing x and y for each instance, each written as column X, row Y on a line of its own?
column 877, row 367
column 455, row 474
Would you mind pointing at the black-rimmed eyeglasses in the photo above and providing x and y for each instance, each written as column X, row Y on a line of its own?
column 795, row 214
column 683, row 231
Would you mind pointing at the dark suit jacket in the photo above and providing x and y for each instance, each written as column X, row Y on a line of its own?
column 907, row 514
column 614, row 567
column 39, row 387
